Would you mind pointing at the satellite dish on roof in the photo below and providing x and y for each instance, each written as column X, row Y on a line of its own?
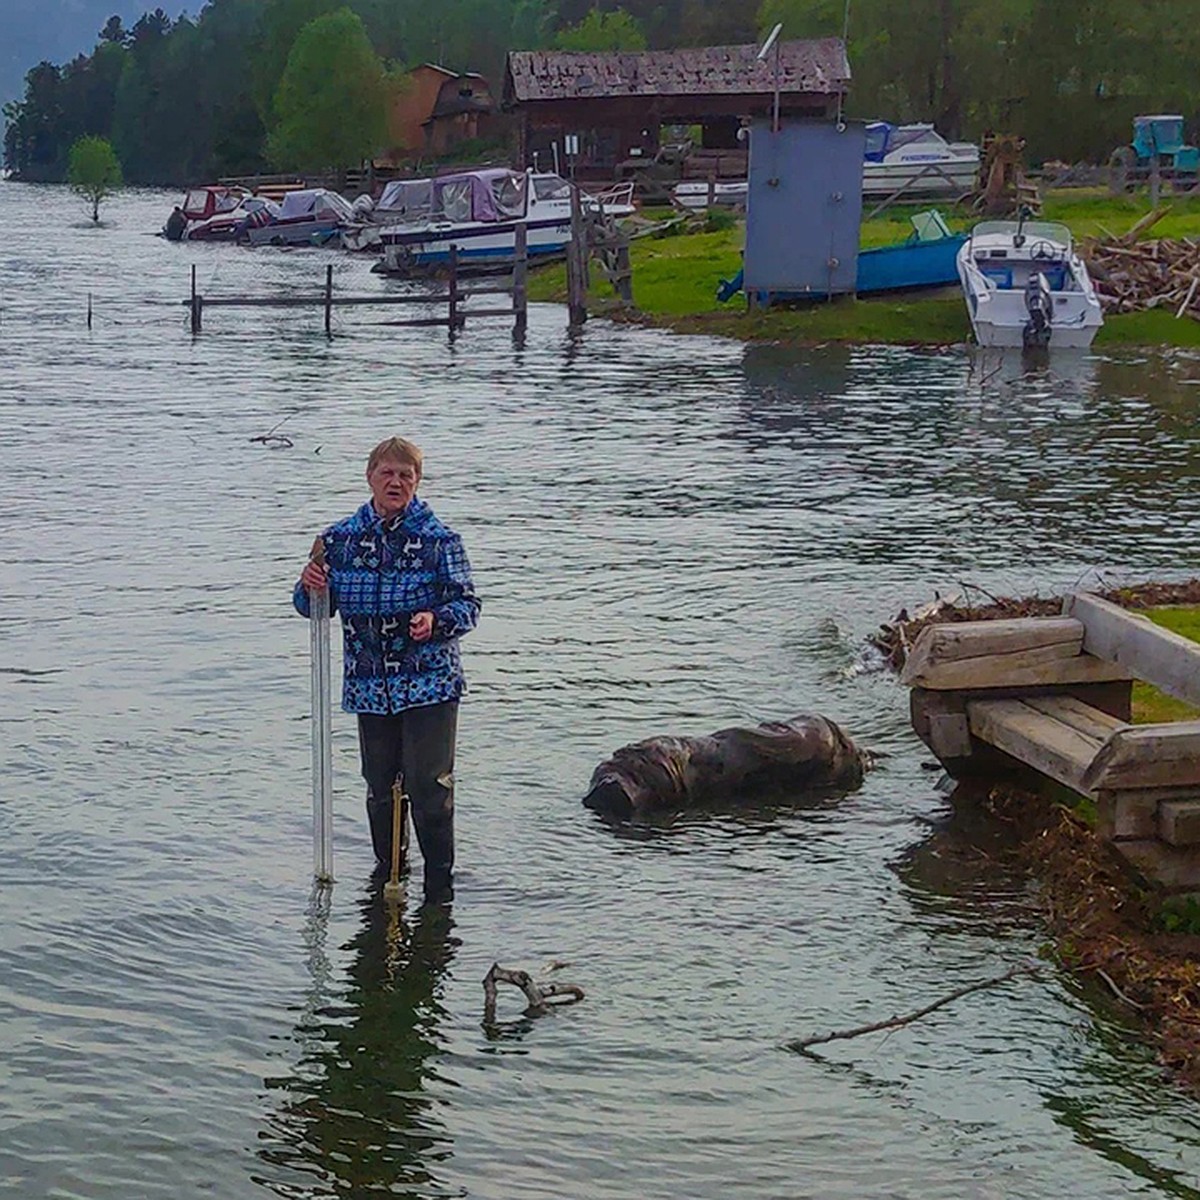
column 771, row 39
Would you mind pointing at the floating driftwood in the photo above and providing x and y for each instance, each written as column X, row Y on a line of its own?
column 803, row 1044
column 806, row 753
column 541, row 996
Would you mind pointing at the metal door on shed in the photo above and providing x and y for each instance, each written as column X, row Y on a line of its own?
column 804, row 207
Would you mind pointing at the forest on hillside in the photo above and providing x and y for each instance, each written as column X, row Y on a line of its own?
column 192, row 99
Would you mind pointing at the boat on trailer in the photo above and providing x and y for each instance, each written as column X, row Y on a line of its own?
column 1026, row 286
column 478, row 213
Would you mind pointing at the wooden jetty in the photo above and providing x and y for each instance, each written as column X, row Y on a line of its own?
column 1052, row 695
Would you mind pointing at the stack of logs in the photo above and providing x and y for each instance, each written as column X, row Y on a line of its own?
column 1132, row 276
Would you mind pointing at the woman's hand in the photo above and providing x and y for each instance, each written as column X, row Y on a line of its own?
column 420, row 626
column 315, row 576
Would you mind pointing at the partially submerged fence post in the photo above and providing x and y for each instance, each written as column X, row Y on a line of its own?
column 329, row 300
column 197, row 303
column 520, row 291
column 456, row 322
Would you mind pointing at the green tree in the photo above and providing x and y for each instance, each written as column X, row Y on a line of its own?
column 332, row 102
column 615, row 30
column 93, row 170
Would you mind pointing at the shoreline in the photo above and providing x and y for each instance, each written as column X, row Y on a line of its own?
column 676, row 275
column 1138, row 947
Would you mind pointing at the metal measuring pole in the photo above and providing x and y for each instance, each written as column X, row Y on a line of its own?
column 322, row 727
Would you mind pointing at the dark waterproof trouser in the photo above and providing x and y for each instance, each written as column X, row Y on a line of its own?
column 417, row 745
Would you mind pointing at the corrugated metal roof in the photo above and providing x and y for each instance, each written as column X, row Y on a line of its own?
column 819, row 66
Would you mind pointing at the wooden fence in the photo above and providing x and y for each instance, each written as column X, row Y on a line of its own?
column 455, row 298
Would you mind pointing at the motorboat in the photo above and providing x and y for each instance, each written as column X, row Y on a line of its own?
column 926, row 259
column 210, row 204
column 307, row 216
column 915, row 159
column 235, row 224
column 918, row 159
column 1026, row 286
column 478, row 212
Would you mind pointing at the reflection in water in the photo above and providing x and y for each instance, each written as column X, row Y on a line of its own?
column 356, row 1114
column 1076, row 1116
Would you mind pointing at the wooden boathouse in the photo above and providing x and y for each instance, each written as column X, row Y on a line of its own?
column 617, row 102
column 1052, row 695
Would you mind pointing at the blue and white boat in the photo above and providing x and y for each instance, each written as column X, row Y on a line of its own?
column 478, row 213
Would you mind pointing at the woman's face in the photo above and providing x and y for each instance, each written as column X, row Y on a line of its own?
column 393, row 484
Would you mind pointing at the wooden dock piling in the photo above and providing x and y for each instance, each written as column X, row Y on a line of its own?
column 453, row 294
column 577, row 287
column 520, row 282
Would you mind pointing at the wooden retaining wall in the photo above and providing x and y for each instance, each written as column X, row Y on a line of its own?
column 1052, row 695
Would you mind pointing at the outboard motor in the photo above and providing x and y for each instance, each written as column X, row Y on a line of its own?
column 1039, row 303
column 363, row 207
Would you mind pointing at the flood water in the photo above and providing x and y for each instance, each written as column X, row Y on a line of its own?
column 670, row 535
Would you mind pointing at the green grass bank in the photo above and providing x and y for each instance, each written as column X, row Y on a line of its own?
column 675, row 280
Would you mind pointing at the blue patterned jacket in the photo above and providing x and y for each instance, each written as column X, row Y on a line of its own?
column 380, row 573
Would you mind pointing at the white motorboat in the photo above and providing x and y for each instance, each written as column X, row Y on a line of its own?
column 915, row 158
column 478, row 212
column 918, row 159
column 1026, row 286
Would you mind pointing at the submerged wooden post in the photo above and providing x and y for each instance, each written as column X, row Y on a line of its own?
column 455, row 320
column 197, row 303
column 520, row 290
column 329, row 300
column 89, row 310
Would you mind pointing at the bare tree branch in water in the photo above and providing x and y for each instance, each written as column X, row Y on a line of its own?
column 539, row 995
column 802, row 1045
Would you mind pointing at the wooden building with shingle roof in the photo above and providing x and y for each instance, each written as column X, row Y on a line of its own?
column 617, row 101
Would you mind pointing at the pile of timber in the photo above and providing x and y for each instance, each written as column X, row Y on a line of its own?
column 1132, row 275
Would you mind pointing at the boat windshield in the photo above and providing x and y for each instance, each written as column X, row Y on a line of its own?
column 916, row 135
column 1034, row 231
column 551, row 187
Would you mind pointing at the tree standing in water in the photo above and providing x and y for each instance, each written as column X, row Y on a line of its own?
column 94, row 171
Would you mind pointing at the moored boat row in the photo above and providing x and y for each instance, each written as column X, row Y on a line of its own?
column 413, row 225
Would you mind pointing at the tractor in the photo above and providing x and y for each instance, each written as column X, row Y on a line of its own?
column 1158, row 153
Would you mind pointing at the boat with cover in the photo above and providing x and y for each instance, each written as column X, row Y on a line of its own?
column 212, row 205
column 478, row 213
column 309, row 216
column 919, row 157
column 1025, row 286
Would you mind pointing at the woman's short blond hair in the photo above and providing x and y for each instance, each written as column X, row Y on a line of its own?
column 398, row 450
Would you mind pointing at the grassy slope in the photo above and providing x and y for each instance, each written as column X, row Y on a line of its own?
column 1149, row 704
column 675, row 281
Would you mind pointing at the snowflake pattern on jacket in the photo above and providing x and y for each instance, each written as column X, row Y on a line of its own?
column 381, row 571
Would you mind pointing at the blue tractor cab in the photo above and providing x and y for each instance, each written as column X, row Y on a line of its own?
column 1157, row 142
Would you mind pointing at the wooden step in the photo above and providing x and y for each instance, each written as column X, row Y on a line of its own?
column 1056, row 735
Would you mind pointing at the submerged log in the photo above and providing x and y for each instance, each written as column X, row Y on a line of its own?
column 804, row 754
